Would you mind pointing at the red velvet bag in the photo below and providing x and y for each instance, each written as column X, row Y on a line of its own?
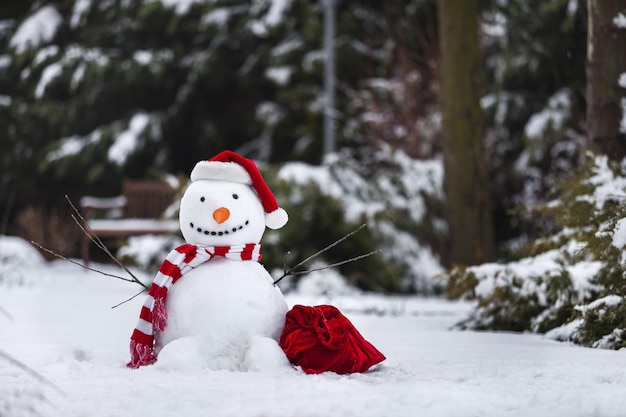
column 321, row 339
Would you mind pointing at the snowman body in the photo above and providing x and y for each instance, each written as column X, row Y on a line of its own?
column 225, row 314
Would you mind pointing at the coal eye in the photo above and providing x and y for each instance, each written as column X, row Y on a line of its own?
column 235, row 196
column 202, row 199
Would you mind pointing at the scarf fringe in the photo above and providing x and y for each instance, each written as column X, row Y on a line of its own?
column 140, row 355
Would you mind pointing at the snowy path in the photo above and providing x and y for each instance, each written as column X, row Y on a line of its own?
column 65, row 329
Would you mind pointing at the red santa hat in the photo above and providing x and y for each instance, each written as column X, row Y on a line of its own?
column 229, row 166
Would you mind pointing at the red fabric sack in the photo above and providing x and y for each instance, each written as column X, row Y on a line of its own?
column 320, row 339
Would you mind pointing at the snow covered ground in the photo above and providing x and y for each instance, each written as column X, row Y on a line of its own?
column 61, row 324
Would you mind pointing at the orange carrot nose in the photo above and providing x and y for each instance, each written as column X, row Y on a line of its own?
column 221, row 215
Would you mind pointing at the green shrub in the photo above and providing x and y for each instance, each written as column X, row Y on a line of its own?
column 400, row 200
column 570, row 282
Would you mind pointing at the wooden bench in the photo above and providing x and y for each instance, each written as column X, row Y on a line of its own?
column 138, row 211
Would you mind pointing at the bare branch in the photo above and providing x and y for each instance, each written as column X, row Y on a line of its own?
column 131, row 298
column 84, row 226
column 57, row 255
column 82, row 223
column 356, row 258
column 95, row 239
column 332, row 245
column 293, row 271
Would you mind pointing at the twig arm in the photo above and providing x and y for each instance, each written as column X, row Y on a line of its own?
column 129, row 299
column 293, row 271
column 332, row 245
column 82, row 223
column 51, row 252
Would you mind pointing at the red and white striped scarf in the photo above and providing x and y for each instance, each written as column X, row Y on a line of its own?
column 178, row 262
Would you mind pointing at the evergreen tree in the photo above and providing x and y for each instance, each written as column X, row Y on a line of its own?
column 136, row 88
column 535, row 103
column 130, row 88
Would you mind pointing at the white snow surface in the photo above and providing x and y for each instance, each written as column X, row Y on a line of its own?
column 555, row 114
column 180, row 6
column 80, row 9
column 619, row 234
column 49, row 74
column 272, row 16
column 63, row 328
column 607, row 185
column 620, row 20
column 128, row 141
column 279, row 75
column 18, row 259
column 218, row 16
column 38, row 28
column 44, row 53
column 5, row 61
column 72, row 145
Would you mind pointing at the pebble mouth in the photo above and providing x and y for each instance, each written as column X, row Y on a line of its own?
column 218, row 232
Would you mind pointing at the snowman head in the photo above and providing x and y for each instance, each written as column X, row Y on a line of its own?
column 228, row 203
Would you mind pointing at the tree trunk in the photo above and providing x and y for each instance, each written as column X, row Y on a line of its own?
column 606, row 60
column 467, row 192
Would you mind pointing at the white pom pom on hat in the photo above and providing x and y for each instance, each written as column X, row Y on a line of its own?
column 229, row 166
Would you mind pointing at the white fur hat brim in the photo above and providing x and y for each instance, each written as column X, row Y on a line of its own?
column 220, row 171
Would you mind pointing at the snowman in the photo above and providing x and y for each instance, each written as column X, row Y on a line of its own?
column 212, row 304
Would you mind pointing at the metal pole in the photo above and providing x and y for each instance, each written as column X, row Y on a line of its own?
column 329, row 75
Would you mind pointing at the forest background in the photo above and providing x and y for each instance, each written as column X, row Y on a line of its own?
column 92, row 92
